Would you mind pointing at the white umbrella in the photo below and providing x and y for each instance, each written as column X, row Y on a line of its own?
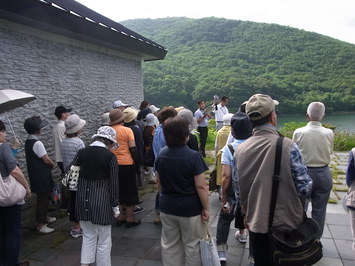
column 12, row 99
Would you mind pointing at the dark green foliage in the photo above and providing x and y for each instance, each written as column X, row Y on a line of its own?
column 237, row 58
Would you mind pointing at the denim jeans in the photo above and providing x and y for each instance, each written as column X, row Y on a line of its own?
column 10, row 234
column 224, row 221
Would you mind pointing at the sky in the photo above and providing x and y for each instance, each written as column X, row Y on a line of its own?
column 334, row 18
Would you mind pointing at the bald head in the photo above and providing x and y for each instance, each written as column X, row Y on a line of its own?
column 315, row 111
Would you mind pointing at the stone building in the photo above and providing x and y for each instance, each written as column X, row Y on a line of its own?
column 65, row 53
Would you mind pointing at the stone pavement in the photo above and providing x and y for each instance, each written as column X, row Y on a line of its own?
column 141, row 245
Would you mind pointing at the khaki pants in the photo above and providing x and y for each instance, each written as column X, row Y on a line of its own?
column 180, row 239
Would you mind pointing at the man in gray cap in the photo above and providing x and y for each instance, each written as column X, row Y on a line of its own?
column 255, row 167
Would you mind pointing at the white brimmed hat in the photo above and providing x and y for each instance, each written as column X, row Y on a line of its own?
column 153, row 108
column 74, row 124
column 150, row 120
column 106, row 132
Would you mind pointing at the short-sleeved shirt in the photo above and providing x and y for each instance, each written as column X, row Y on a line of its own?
column 58, row 136
column 198, row 115
column 69, row 147
column 7, row 160
column 228, row 159
column 38, row 147
column 123, row 136
column 177, row 168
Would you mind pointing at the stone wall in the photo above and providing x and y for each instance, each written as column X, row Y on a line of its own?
column 59, row 70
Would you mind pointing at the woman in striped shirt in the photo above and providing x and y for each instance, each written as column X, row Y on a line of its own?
column 97, row 195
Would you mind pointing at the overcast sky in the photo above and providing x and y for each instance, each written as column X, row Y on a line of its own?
column 334, row 18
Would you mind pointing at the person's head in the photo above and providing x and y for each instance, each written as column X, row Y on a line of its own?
column 176, row 131
column 150, row 120
column 143, row 113
column 106, row 135
column 2, row 132
column 61, row 112
column 116, row 117
column 144, row 104
column 315, row 111
column 105, row 119
column 34, row 124
column 201, row 104
column 224, row 100
column 73, row 125
column 189, row 116
column 260, row 109
column 165, row 113
column 227, row 119
column 241, row 126
column 119, row 105
column 131, row 114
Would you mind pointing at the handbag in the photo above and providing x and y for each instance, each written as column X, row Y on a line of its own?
column 212, row 181
column 296, row 247
column 208, row 248
column 11, row 191
column 70, row 179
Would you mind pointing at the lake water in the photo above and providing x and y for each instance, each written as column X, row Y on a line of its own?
column 343, row 122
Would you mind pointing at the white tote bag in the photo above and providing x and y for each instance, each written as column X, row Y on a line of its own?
column 11, row 191
column 208, row 248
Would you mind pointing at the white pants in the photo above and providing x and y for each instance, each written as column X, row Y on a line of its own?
column 96, row 243
column 180, row 240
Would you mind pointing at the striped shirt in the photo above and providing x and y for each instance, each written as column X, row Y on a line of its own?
column 96, row 197
column 69, row 147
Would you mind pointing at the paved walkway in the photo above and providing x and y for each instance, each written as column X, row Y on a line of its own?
column 141, row 245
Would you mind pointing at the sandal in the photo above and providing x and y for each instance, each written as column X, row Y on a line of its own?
column 134, row 223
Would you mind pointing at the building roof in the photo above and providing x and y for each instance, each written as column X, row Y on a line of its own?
column 74, row 20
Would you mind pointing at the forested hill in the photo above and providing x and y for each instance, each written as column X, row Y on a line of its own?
column 238, row 58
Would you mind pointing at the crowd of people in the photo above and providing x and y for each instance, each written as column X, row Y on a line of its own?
column 167, row 147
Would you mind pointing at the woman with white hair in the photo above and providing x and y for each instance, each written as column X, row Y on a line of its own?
column 97, row 195
column 192, row 143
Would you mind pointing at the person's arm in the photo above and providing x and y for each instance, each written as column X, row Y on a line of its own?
column 18, row 175
column 302, row 180
column 225, row 186
column 199, row 120
column 45, row 158
column 202, row 191
column 158, row 180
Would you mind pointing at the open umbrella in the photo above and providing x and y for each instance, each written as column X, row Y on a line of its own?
column 12, row 99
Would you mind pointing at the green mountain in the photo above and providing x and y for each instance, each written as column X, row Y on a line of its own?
column 216, row 56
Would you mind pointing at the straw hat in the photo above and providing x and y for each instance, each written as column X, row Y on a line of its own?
column 131, row 114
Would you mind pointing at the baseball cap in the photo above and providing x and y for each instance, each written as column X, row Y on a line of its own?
column 119, row 103
column 59, row 110
column 259, row 106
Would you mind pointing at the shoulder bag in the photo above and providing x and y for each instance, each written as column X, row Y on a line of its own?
column 11, row 191
column 71, row 178
column 208, row 248
column 299, row 246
